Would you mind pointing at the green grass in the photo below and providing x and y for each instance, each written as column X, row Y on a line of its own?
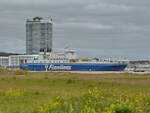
column 24, row 93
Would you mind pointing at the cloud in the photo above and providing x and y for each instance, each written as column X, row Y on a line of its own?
column 94, row 27
column 82, row 25
column 39, row 2
column 108, row 7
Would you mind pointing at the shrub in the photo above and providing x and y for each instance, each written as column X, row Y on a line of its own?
column 37, row 92
column 20, row 72
column 70, row 81
column 14, row 78
column 122, row 109
column 46, row 77
column 2, row 78
column 2, row 70
column 90, row 85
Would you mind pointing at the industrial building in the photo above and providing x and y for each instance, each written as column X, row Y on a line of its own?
column 16, row 60
column 12, row 62
column 4, row 61
column 39, row 35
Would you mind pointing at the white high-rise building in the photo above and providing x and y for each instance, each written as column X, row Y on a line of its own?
column 39, row 35
column 4, row 61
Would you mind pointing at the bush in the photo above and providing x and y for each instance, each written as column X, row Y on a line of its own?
column 70, row 81
column 2, row 78
column 122, row 109
column 46, row 77
column 20, row 72
column 37, row 92
column 2, row 70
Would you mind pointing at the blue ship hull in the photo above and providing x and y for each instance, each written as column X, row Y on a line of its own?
column 72, row 67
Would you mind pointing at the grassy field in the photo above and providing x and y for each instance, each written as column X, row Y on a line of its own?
column 51, row 92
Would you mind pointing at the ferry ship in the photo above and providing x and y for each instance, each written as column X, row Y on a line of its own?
column 67, row 61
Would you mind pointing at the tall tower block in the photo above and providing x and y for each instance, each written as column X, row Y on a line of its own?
column 39, row 34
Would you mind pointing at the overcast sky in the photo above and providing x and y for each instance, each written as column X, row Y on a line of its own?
column 93, row 27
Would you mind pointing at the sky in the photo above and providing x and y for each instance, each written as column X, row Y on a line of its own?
column 94, row 28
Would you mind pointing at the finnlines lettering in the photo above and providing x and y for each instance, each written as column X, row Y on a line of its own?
column 52, row 67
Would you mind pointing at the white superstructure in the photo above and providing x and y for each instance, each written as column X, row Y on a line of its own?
column 70, row 53
column 50, row 58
